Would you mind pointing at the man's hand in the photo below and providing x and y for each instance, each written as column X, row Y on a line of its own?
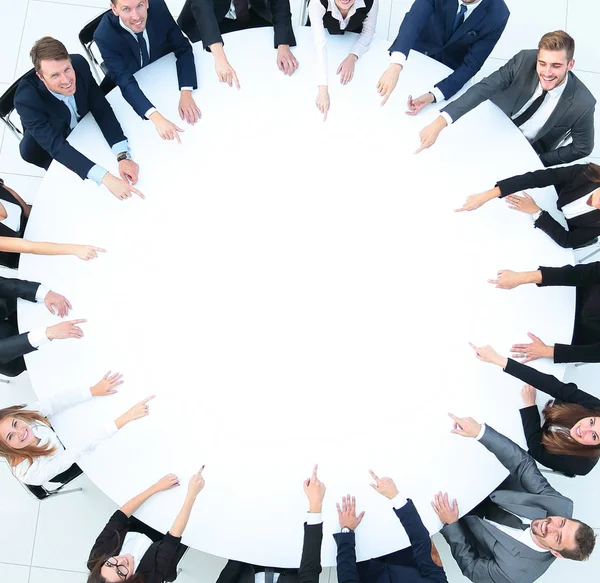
column 533, row 351
column 387, row 82
column 128, row 171
column 315, row 491
column 384, row 486
column 528, row 395
column 447, row 513
column 465, row 426
column 322, row 100
column 107, row 385
column 64, row 330
column 196, row 484
column 120, row 188
column 347, row 513
column 225, row 72
column 416, row 105
column 346, row 69
column 166, row 483
column 57, row 304
column 166, row 130
column 524, row 203
column 86, row 252
column 488, row 354
column 286, row 61
column 430, row 133
column 188, row 110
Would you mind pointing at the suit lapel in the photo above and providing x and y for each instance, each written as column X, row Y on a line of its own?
column 514, row 502
column 451, row 10
column 131, row 41
column 563, row 105
column 478, row 14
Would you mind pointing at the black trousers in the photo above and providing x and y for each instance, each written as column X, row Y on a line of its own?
column 14, row 367
column 33, row 153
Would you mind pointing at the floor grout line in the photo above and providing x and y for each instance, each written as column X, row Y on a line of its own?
column 69, row 4
column 60, row 570
column 37, row 519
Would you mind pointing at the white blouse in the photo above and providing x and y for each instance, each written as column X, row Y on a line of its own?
column 135, row 544
column 13, row 215
column 578, row 207
column 44, row 468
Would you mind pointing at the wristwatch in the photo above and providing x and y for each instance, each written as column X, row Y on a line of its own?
column 123, row 156
column 345, row 529
column 432, row 95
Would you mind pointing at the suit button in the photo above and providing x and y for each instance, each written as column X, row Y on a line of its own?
column 426, row 54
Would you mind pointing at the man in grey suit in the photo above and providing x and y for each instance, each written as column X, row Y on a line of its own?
column 516, row 533
column 553, row 109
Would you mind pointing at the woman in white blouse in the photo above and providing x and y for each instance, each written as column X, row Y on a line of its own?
column 32, row 448
column 338, row 17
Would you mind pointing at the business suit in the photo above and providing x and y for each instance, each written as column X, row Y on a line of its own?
column 205, row 20
column 121, row 52
column 310, row 563
column 512, row 86
column 46, row 120
column 572, row 465
column 486, row 554
column 427, row 28
column 11, row 259
column 419, row 568
column 571, row 183
column 12, row 344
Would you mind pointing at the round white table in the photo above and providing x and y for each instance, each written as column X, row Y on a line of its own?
column 293, row 292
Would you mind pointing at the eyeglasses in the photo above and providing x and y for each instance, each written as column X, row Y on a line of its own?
column 122, row 570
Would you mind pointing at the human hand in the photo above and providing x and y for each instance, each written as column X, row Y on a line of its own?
column 416, row 105
column 488, row 354
column 322, row 100
column 448, row 513
column 139, row 410
column 533, row 351
column 68, row 329
column 473, row 202
column 196, row 484
column 346, row 69
column 524, row 203
column 528, row 395
column 465, row 426
column 128, row 171
column 315, row 491
column 286, row 61
column 225, row 72
column 86, row 252
column 120, row 188
column 508, row 279
column 384, row 486
column 166, row 483
column 57, row 304
column 106, row 386
column 387, row 82
column 430, row 133
column 188, row 110
column 166, row 129
column 347, row 513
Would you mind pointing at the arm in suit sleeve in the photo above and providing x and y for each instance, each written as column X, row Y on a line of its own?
column 566, row 392
column 563, row 237
column 204, row 14
column 282, row 23
column 557, row 177
column 415, row 20
column 18, row 288
column 15, row 346
column 231, row 572
column 111, row 538
column 310, row 563
column 186, row 66
column 577, row 352
column 571, row 275
column 346, row 557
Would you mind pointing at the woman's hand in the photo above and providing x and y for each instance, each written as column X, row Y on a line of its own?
column 528, row 395
column 107, row 385
column 488, row 354
column 475, row 201
column 86, row 252
column 532, row 351
column 196, row 484
column 166, row 483
column 322, row 100
column 524, row 203
column 138, row 411
column 346, row 69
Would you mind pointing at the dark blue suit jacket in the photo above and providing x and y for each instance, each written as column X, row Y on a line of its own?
column 427, row 28
column 47, row 119
column 373, row 571
column 121, row 52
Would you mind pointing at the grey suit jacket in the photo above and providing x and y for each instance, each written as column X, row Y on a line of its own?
column 496, row 556
column 511, row 86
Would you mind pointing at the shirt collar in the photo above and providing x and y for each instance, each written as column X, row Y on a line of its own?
column 558, row 91
column 335, row 11
column 131, row 31
column 60, row 96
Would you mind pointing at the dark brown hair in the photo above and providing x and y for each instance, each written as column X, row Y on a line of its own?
column 47, row 48
column 558, row 40
column 559, row 441
column 16, row 456
column 592, row 172
column 98, row 562
column 585, row 541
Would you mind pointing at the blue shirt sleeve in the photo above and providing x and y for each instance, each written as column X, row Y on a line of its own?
column 97, row 173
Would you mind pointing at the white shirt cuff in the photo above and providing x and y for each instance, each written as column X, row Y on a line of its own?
column 536, row 215
column 397, row 58
column 481, row 432
column 186, row 89
column 41, row 293
column 446, row 117
column 439, row 96
column 149, row 112
column 38, row 337
column 398, row 501
column 314, row 518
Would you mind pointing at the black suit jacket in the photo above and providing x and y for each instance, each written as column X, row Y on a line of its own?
column 574, row 465
column 310, row 563
column 11, row 259
column 200, row 20
column 513, row 85
column 571, row 183
column 47, row 119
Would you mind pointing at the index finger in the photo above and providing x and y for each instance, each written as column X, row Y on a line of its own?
column 473, row 346
column 314, row 473
column 100, row 250
column 136, row 191
column 77, row 321
column 201, row 470
column 148, row 399
column 454, row 417
column 237, row 83
column 374, row 476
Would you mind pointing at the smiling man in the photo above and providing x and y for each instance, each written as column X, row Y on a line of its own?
column 523, row 525
column 537, row 89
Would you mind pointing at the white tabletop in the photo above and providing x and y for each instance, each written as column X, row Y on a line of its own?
column 294, row 292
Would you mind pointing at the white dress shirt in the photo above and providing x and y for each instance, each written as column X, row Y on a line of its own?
column 316, row 11
column 38, row 336
column 13, row 215
column 44, row 468
column 398, row 58
column 135, row 544
column 578, row 207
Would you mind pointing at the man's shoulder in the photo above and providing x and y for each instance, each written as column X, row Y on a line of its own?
column 498, row 9
column 580, row 91
column 79, row 63
column 108, row 26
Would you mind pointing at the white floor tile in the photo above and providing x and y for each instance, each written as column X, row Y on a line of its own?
column 14, row 573
column 13, row 19
column 399, row 10
column 68, row 526
column 89, row 3
column 39, row 575
column 581, row 20
column 197, row 566
column 18, row 389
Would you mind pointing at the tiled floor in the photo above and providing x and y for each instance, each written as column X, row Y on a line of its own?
column 48, row 542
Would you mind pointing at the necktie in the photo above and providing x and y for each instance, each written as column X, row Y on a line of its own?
column 497, row 514
column 460, row 18
column 528, row 113
column 269, row 575
column 242, row 12
column 70, row 103
column 143, row 48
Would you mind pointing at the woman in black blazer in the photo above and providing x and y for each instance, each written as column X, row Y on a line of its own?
column 129, row 550
column 569, row 439
column 578, row 188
